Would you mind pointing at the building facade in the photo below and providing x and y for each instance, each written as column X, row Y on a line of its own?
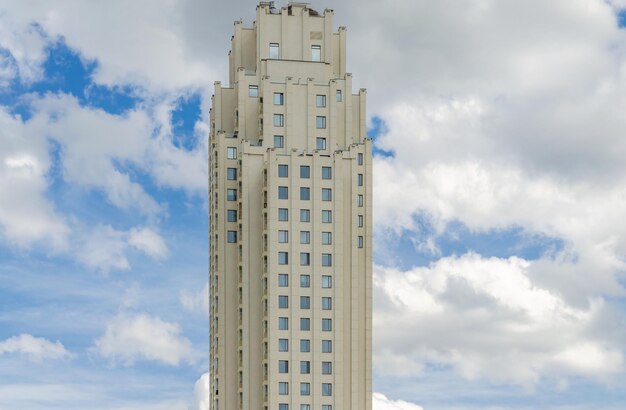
column 290, row 208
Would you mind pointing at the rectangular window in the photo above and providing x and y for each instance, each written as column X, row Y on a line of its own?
column 305, row 193
column 231, row 153
column 327, row 172
column 283, row 171
column 327, row 216
column 327, row 281
column 283, row 302
column 359, row 179
column 320, row 122
column 327, row 325
column 305, row 407
column 231, row 174
column 327, row 389
column 305, row 259
column 283, row 258
column 232, row 236
column 327, row 194
column 327, row 368
column 327, row 346
column 338, row 95
column 279, row 141
column 359, row 200
column 231, row 194
column 327, row 259
column 320, row 143
column 305, row 345
column 305, row 389
column 324, row 407
column 283, row 345
column 253, row 90
column 305, row 171
column 305, row 237
column 360, row 242
column 327, row 238
column 305, row 215
column 316, row 53
column 327, row 303
column 283, row 192
column 283, row 236
column 231, row 215
column 279, row 98
column 283, row 323
column 283, row 214
column 305, row 302
column 320, row 101
column 283, row 280
column 305, row 281
column 360, row 221
column 305, row 323
column 359, row 159
column 281, row 406
column 305, row 367
column 283, row 388
column 279, row 120
column 274, row 50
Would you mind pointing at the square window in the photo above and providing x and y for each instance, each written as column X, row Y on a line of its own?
column 305, row 389
column 359, row 179
column 283, row 323
column 327, row 259
column 305, row 367
column 360, row 221
column 283, row 170
column 338, row 95
column 320, row 101
column 305, row 193
column 359, row 200
column 274, row 50
column 305, row 345
column 359, row 158
column 320, row 122
column 283, row 236
column 283, row 214
column 305, row 302
column 320, row 143
column 360, row 241
column 305, row 259
column 283, row 302
column 253, row 90
column 231, row 153
column 279, row 120
column 327, row 346
column 305, row 215
column 305, row 281
column 327, row 216
column 283, row 192
column 283, row 258
column 327, row 303
column 305, row 237
column 327, row 194
column 327, row 368
column 231, row 194
column 231, row 174
column 305, row 171
column 232, row 236
column 327, row 172
column 279, row 98
column 305, row 323
column 327, row 325
column 327, row 238
column 231, row 215
column 279, row 141
column 283, row 280
column 327, row 389
column 283, row 345
column 327, row 281
column 283, row 388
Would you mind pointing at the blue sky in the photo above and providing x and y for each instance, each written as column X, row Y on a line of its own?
column 499, row 201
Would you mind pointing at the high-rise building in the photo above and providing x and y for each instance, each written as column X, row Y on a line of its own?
column 290, row 207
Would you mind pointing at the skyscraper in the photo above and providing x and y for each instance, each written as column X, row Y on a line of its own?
column 290, row 207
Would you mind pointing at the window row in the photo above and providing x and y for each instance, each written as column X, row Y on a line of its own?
column 285, row 406
column 279, row 99
column 305, row 171
column 316, row 52
column 305, row 324
column 305, row 302
column 305, row 193
column 279, row 140
column 305, row 281
column 305, row 259
column 305, row 346
column 305, row 215
column 305, row 366
column 283, row 389
column 305, row 237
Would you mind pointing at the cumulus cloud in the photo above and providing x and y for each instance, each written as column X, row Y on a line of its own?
column 381, row 402
column 37, row 349
column 202, row 393
column 148, row 241
column 128, row 338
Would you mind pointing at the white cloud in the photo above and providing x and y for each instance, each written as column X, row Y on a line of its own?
column 196, row 301
column 128, row 338
column 202, row 393
column 381, row 402
column 148, row 241
column 36, row 349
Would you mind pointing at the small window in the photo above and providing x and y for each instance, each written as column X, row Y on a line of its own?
column 279, row 141
column 305, row 345
column 327, row 368
column 283, row 192
column 231, row 194
column 327, row 281
column 305, row 171
column 305, row 302
column 327, row 194
column 360, row 242
column 283, row 258
column 283, row 389
column 359, row 159
column 305, row 407
column 231, row 153
column 359, row 200
column 281, row 406
column 274, row 50
column 283, row 345
column 231, row 236
column 305, row 215
column 327, row 238
column 305, row 323
column 359, row 179
column 231, row 215
column 305, row 237
column 338, row 95
column 360, row 221
column 279, row 120
column 283, row 302
column 327, row 325
column 283, row 214
column 283, row 323
column 327, row 172
column 283, row 171
column 283, row 366
column 324, row 407
column 327, row 303
column 305, row 281
column 327, row 346
column 320, row 122
column 279, row 98
column 305, row 259
column 305, row 389
column 305, row 367
column 320, row 143
column 320, row 101
column 283, row 236
column 305, row 193
column 253, row 90
column 231, row 174
column 316, row 53
column 327, row 216
column 327, row 389
column 283, row 280
column 327, row 259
